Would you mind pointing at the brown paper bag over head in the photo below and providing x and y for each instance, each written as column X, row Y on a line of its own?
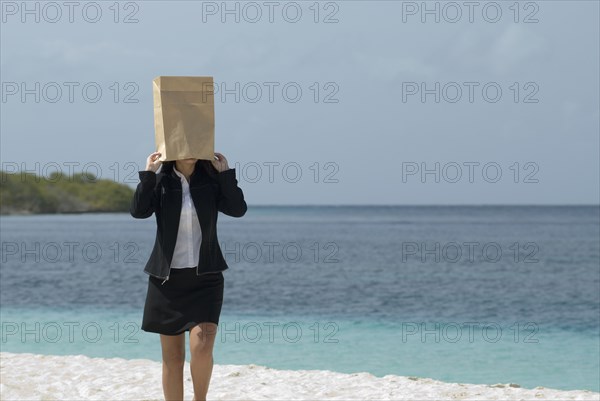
column 184, row 117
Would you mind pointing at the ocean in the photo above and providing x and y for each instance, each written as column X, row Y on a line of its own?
column 468, row 294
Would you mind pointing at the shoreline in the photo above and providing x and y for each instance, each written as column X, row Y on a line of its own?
column 36, row 376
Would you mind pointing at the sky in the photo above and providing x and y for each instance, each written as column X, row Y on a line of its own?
column 336, row 103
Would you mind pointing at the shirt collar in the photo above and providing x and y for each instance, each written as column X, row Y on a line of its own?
column 181, row 176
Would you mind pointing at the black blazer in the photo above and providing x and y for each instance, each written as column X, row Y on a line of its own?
column 161, row 194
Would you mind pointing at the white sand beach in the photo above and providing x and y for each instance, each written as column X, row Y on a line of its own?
column 26, row 376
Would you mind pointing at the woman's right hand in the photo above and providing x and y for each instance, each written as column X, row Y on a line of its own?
column 152, row 162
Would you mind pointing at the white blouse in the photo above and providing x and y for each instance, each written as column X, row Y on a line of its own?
column 189, row 234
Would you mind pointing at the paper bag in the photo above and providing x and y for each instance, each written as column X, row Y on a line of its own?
column 184, row 117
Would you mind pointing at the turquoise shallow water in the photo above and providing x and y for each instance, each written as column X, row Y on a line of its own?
column 456, row 352
column 354, row 301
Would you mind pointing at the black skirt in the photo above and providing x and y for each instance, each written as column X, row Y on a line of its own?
column 183, row 301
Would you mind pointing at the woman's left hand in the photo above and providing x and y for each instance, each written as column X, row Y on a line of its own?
column 220, row 163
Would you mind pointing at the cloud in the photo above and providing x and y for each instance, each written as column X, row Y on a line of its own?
column 391, row 67
column 515, row 47
column 492, row 50
column 74, row 54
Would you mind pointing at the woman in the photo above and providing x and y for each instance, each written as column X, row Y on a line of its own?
column 185, row 284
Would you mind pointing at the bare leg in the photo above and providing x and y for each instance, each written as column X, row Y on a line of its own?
column 202, row 340
column 173, row 355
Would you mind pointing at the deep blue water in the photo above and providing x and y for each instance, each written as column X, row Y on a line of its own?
column 463, row 294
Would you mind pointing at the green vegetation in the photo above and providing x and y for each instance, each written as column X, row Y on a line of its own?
column 26, row 193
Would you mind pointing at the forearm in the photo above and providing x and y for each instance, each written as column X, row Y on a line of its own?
column 231, row 200
column 142, row 204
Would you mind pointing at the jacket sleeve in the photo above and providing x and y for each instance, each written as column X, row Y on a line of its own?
column 145, row 197
column 231, row 198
